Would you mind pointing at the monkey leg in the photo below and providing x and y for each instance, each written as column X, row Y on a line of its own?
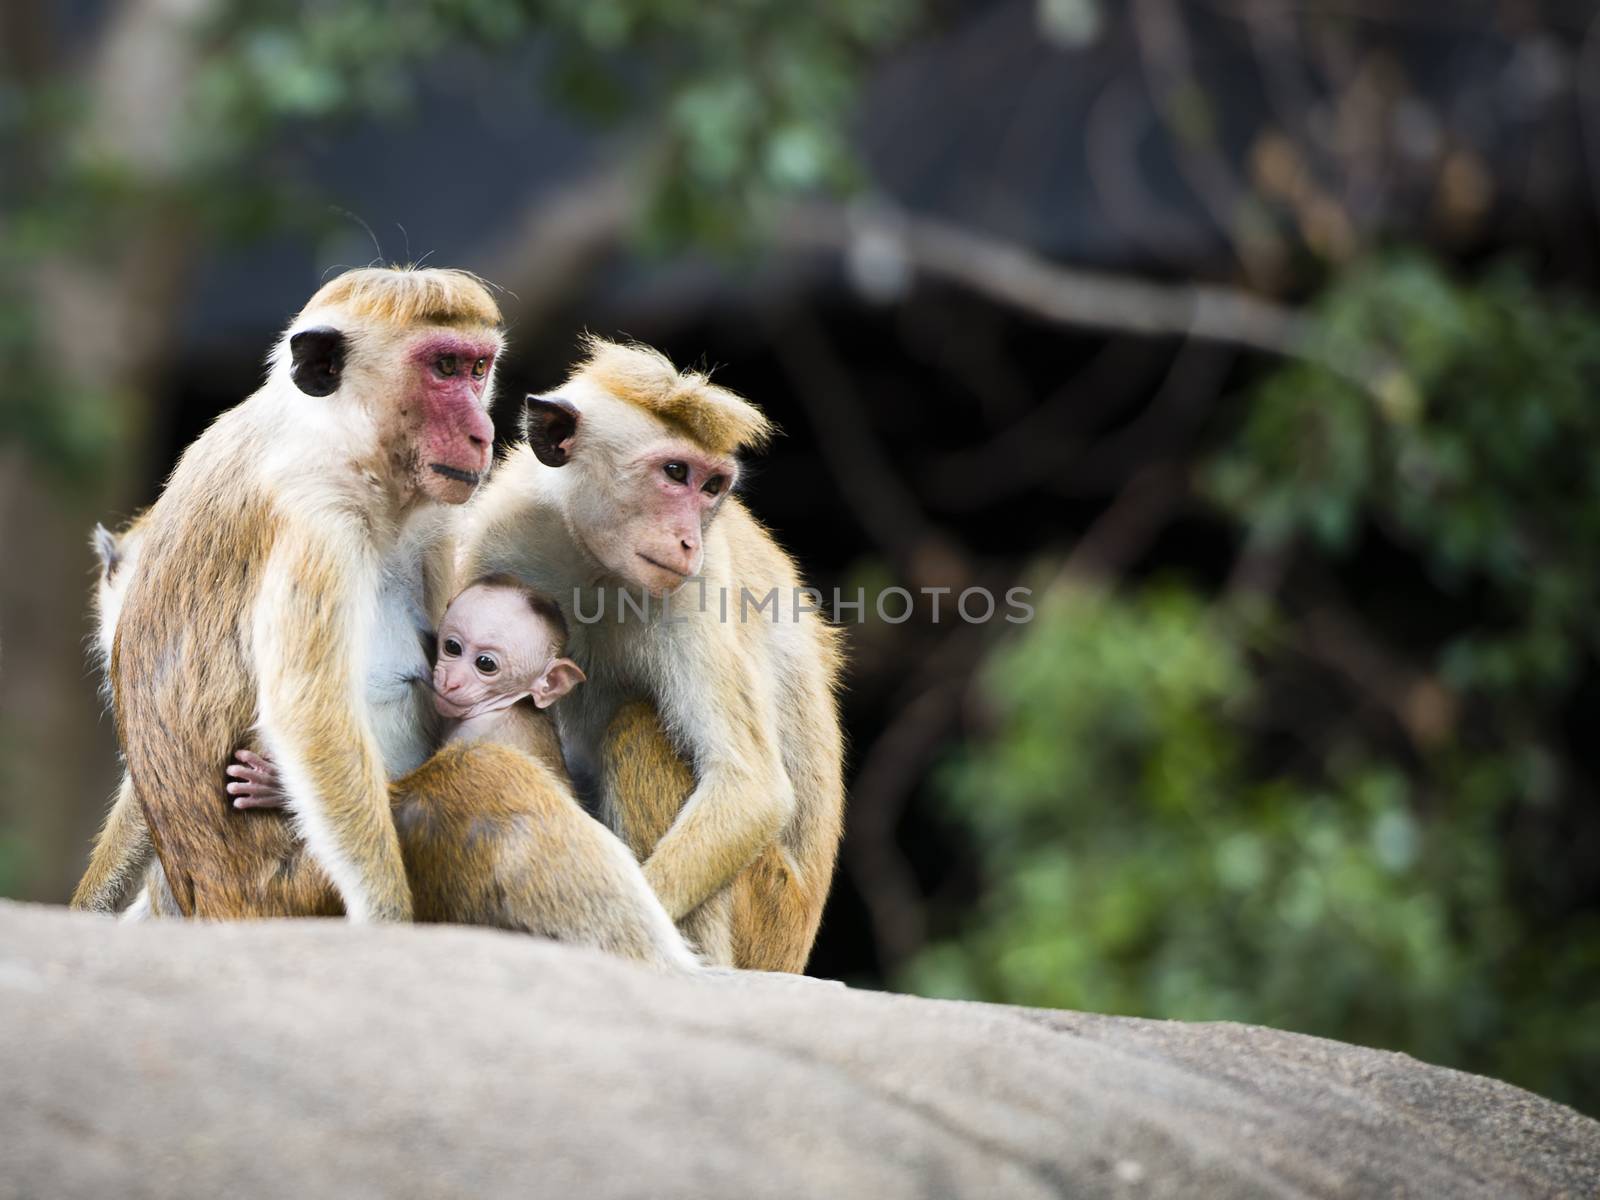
column 646, row 785
column 709, row 929
column 773, row 920
column 122, row 851
column 765, row 919
column 646, row 782
column 155, row 898
column 491, row 837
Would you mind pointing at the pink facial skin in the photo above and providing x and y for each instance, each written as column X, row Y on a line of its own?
column 679, row 511
column 494, row 651
column 457, row 442
column 482, row 623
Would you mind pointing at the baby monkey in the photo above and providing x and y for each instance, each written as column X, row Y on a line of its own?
column 499, row 665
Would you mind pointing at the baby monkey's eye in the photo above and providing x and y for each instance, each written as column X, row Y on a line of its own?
column 485, row 664
column 447, row 364
column 480, row 368
column 676, row 471
column 451, row 648
column 715, row 484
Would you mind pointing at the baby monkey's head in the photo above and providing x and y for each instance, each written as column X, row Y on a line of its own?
column 501, row 642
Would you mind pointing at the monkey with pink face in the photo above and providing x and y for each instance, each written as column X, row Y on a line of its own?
column 501, row 663
column 285, row 587
column 499, row 667
column 708, row 733
column 280, row 595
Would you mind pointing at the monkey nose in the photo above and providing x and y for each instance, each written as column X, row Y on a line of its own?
column 473, row 427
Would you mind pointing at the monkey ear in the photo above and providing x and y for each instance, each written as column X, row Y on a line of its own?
column 549, row 423
column 317, row 360
column 559, row 678
column 105, row 546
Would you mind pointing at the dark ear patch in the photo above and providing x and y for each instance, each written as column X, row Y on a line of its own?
column 317, row 360
column 549, row 423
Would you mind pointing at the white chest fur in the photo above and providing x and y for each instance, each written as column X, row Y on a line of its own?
column 398, row 669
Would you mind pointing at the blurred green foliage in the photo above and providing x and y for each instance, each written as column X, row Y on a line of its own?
column 726, row 108
column 739, row 102
column 1174, row 820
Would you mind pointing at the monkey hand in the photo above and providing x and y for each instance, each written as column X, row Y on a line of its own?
column 255, row 782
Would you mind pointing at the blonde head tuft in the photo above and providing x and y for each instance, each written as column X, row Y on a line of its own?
column 411, row 295
column 717, row 419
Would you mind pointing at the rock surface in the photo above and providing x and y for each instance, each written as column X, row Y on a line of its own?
column 312, row 1059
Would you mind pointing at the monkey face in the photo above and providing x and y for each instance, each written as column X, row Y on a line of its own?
column 642, row 514
column 646, row 521
column 494, row 651
column 682, row 489
column 446, row 418
column 426, row 396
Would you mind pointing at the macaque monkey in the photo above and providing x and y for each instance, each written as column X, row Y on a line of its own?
column 119, row 557
column 501, row 664
column 624, row 486
column 287, row 582
column 123, row 851
column 499, row 667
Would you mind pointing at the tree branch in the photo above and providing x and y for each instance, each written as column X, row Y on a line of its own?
column 1124, row 531
column 1077, row 296
column 562, row 236
column 1418, row 702
column 883, row 504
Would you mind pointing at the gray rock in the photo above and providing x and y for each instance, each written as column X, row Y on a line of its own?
column 313, row 1058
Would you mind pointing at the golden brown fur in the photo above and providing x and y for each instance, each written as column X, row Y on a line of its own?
column 733, row 796
column 491, row 836
column 711, row 416
column 121, row 854
column 249, row 605
column 283, row 590
column 122, row 849
column 404, row 297
column 177, row 740
column 529, row 729
column 647, row 784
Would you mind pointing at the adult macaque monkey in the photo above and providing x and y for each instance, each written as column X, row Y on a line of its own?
column 119, row 557
column 624, row 484
column 286, row 585
column 122, row 852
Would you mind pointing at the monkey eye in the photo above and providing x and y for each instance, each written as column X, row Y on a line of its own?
column 480, row 368
column 451, row 648
column 676, row 471
column 715, row 484
column 485, row 664
column 446, row 364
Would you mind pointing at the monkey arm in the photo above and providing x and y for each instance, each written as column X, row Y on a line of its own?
column 122, row 851
column 730, row 817
column 311, row 631
column 439, row 571
column 744, row 798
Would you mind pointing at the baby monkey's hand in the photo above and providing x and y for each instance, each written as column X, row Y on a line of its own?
column 256, row 782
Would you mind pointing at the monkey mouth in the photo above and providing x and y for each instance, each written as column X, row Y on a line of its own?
column 455, row 473
column 662, row 566
column 446, row 707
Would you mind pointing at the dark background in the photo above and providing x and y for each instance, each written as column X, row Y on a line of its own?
column 1256, row 337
